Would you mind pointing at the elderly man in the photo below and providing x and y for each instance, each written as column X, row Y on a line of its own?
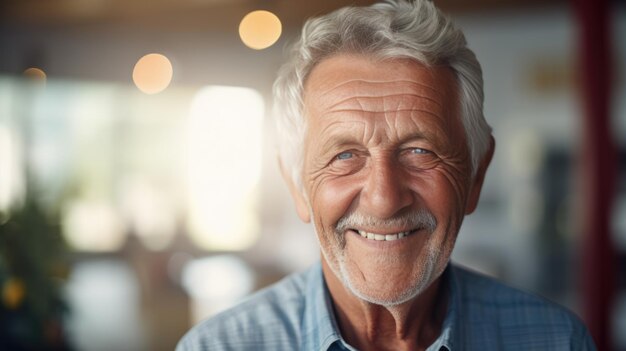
column 384, row 147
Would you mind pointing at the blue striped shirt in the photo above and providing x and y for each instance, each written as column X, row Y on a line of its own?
column 483, row 314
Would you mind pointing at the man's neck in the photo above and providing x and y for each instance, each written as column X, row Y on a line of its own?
column 413, row 325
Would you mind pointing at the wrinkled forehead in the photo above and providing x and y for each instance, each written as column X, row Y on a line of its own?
column 343, row 76
column 356, row 83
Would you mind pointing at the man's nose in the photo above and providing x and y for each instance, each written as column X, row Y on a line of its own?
column 385, row 192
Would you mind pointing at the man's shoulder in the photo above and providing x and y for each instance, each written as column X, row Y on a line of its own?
column 493, row 296
column 271, row 317
column 532, row 321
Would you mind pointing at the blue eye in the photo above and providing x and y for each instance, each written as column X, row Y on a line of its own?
column 344, row 155
column 420, row 151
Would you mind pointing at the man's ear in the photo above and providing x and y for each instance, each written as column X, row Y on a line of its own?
column 479, row 177
column 296, row 194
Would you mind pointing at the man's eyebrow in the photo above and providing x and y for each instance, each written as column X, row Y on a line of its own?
column 413, row 136
column 333, row 137
column 334, row 142
column 329, row 143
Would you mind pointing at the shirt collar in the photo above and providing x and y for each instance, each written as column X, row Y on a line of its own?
column 452, row 329
column 319, row 326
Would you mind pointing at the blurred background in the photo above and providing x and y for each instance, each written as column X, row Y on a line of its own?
column 139, row 187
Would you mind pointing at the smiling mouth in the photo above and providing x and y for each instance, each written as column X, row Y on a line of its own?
column 384, row 237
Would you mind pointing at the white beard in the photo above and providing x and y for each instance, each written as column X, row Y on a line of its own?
column 434, row 260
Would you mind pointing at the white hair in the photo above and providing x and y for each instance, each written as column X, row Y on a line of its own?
column 393, row 29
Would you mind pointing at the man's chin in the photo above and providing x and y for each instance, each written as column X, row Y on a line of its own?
column 383, row 298
column 384, row 280
column 384, row 289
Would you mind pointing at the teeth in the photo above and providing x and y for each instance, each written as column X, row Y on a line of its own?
column 383, row 237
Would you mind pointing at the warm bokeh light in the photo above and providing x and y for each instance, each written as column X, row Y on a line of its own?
column 216, row 283
column 93, row 226
column 149, row 212
column 35, row 74
column 152, row 73
column 260, row 29
column 224, row 167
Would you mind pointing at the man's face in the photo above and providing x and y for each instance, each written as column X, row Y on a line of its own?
column 386, row 173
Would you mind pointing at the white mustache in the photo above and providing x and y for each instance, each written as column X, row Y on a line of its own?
column 419, row 219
